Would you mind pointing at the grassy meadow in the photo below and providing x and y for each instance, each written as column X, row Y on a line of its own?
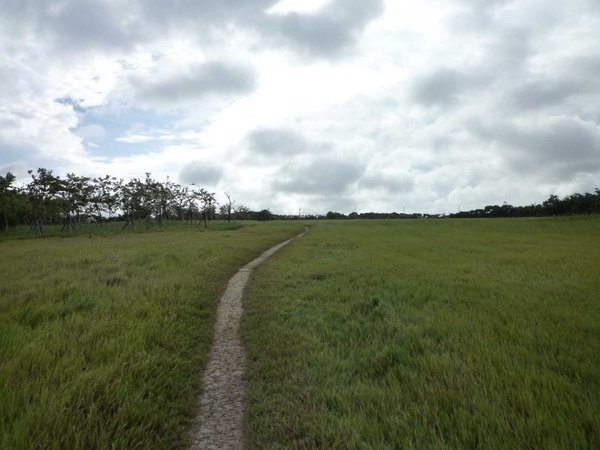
column 428, row 334
column 103, row 335
column 112, row 227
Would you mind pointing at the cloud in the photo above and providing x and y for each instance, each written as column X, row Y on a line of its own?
column 92, row 132
column 76, row 25
column 391, row 184
column 85, row 24
column 159, row 136
column 196, row 172
column 540, row 94
column 328, row 31
column 18, row 169
column 324, row 32
column 324, row 176
column 557, row 149
column 197, row 81
column 477, row 15
column 11, row 152
column 135, row 138
column 416, row 104
column 201, row 16
column 275, row 142
column 441, row 88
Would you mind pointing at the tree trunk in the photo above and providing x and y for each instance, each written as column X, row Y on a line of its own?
column 126, row 223
column 36, row 225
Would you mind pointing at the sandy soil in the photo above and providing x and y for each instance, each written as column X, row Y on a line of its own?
column 220, row 423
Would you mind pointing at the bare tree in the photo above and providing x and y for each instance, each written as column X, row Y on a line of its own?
column 228, row 206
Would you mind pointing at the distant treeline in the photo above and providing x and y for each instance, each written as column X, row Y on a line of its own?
column 375, row 215
column 572, row 204
column 73, row 200
column 48, row 199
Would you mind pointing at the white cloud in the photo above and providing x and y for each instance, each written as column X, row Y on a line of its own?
column 92, row 133
column 322, row 104
column 135, row 138
column 298, row 6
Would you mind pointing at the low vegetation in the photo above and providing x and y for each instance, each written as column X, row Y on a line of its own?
column 103, row 337
column 428, row 334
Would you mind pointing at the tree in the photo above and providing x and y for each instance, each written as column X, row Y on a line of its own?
column 242, row 212
column 104, row 198
column 40, row 192
column 156, row 198
column 552, row 205
column 334, row 215
column 228, row 206
column 191, row 207
column 179, row 200
column 74, row 193
column 264, row 214
column 164, row 198
column 7, row 197
column 130, row 200
column 209, row 205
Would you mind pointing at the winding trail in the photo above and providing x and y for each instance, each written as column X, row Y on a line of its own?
column 220, row 424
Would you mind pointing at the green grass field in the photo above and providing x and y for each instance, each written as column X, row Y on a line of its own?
column 110, row 228
column 361, row 334
column 428, row 334
column 103, row 336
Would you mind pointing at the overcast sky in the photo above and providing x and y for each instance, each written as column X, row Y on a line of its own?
column 345, row 105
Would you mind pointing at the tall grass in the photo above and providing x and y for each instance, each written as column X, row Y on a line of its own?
column 428, row 334
column 102, row 338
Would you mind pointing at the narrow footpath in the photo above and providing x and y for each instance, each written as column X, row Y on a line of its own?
column 220, row 423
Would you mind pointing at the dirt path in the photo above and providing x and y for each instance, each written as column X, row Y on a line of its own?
column 220, row 424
